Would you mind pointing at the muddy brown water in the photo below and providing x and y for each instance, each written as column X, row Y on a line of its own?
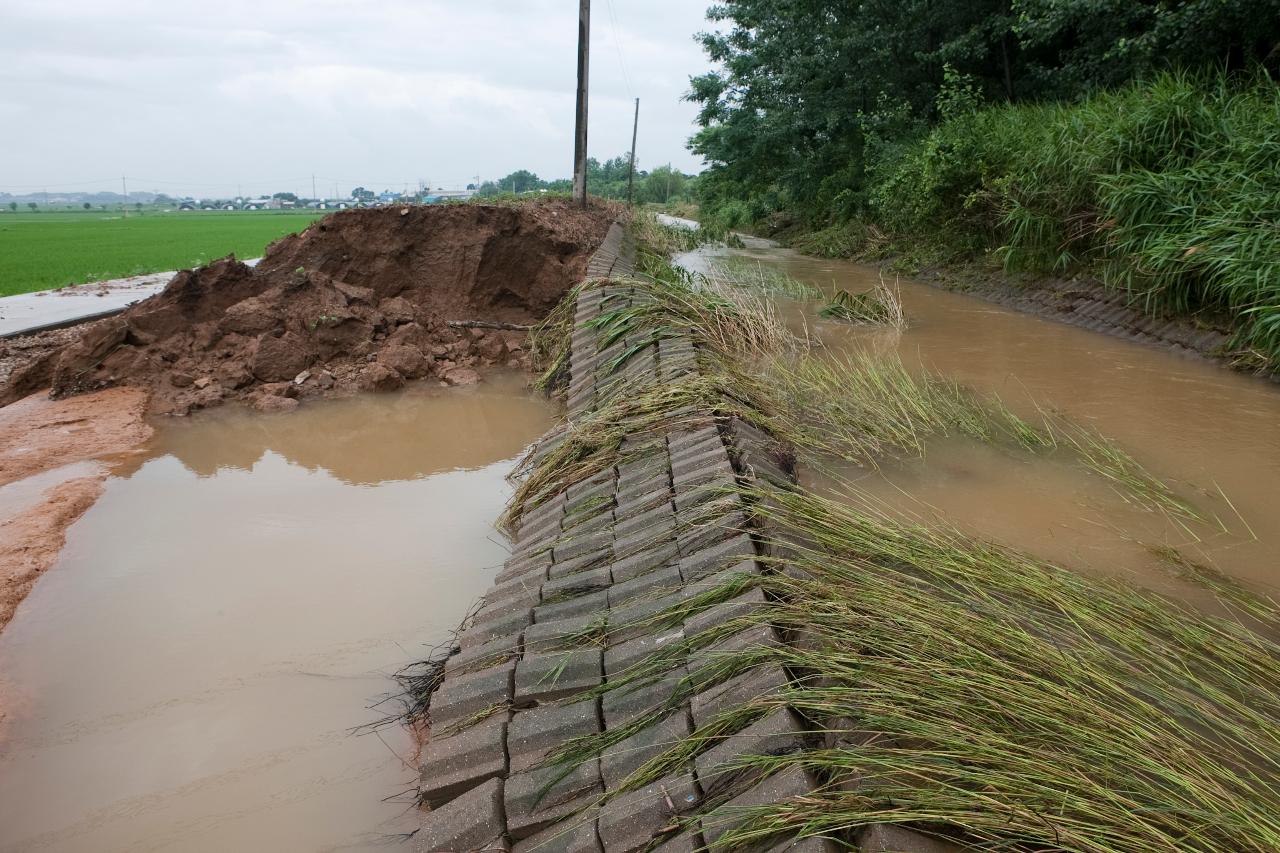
column 1212, row 434
column 187, row 676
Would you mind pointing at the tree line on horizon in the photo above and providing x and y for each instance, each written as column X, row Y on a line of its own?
column 661, row 185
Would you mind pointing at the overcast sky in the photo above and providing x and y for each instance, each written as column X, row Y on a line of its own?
column 216, row 97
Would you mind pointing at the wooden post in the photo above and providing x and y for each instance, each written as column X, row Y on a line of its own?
column 580, row 134
column 631, row 169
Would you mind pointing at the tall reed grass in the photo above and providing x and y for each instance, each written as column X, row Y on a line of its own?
column 1168, row 188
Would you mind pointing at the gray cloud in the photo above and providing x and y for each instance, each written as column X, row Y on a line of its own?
column 221, row 96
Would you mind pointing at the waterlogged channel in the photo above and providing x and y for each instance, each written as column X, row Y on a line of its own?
column 188, row 675
column 1211, row 434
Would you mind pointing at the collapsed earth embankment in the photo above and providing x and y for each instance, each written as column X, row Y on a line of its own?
column 362, row 300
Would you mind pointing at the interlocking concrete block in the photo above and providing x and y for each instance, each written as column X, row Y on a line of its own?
column 754, row 638
column 582, row 562
column 692, row 493
column 470, row 823
column 517, row 567
column 712, row 468
column 484, row 655
column 746, row 572
column 633, row 565
column 888, row 838
column 534, row 732
column 537, row 798
column 697, row 458
column 499, row 624
column 601, row 483
column 657, row 582
column 563, row 634
column 595, row 602
column 778, row 732
column 633, row 543
column 686, row 841
column 767, row 679
column 642, row 469
column 524, row 588
column 621, row 656
column 749, row 602
column 634, row 820
column 580, row 583
column 633, row 491
column 625, row 757
column 630, row 506
column 460, row 697
column 455, row 764
column 576, row 545
column 599, row 517
column 624, row 704
column 813, row 844
column 575, row 834
column 644, row 615
column 785, row 785
column 694, row 535
column 556, row 675
column 683, row 440
column 661, row 517
column 717, row 557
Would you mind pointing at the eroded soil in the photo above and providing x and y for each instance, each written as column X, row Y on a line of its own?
column 360, row 301
column 39, row 435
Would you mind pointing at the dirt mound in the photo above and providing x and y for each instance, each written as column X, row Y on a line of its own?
column 361, row 300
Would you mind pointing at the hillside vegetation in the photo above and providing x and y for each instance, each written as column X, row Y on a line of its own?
column 1136, row 143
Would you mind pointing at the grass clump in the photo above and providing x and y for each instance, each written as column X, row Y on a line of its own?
column 880, row 306
column 745, row 273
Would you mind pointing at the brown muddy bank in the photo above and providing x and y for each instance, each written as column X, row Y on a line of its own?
column 55, row 446
column 361, row 300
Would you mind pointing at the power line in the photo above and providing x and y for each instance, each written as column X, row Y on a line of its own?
column 617, row 44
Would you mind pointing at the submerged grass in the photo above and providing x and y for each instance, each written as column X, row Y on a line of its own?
column 880, row 306
column 745, row 273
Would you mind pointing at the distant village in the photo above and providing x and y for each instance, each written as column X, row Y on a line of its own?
column 360, row 197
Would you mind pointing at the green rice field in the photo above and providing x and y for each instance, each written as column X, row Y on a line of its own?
column 39, row 251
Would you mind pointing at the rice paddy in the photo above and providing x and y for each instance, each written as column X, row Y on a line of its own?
column 39, row 251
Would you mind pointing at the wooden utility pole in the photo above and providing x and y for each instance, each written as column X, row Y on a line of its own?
column 580, row 131
column 631, row 169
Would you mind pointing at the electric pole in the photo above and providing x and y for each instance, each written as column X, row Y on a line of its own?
column 631, row 169
column 313, row 185
column 580, row 129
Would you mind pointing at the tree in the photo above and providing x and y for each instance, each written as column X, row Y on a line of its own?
column 87, row 206
column 362, row 194
column 663, row 184
column 289, row 196
column 13, row 206
column 32, row 205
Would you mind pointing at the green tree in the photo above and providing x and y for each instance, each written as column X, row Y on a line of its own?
column 13, row 206
column 292, row 197
column 32, row 205
column 87, row 206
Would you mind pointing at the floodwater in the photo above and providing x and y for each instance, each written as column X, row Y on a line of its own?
column 1212, row 434
column 187, row 677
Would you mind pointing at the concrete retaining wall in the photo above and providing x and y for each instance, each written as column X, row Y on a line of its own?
column 571, row 609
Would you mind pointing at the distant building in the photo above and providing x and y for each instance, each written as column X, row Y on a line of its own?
column 432, row 196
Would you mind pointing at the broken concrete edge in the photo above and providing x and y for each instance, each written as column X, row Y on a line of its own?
column 576, row 604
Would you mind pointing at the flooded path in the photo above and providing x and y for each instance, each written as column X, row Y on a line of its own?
column 1212, row 434
column 187, row 676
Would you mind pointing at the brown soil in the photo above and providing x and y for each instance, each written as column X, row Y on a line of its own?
column 358, row 301
column 30, row 541
column 38, row 434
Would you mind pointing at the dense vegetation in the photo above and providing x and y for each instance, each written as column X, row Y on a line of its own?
column 39, row 251
column 1135, row 140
